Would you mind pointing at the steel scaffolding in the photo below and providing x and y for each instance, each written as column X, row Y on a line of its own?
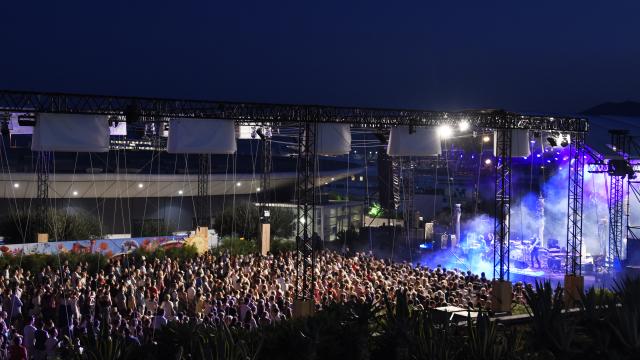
column 575, row 206
column 502, row 204
column 306, row 210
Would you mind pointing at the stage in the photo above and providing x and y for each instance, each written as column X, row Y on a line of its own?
column 519, row 270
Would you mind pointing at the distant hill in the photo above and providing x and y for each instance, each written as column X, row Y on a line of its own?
column 626, row 108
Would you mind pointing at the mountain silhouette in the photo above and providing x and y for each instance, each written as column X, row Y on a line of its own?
column 625, row 108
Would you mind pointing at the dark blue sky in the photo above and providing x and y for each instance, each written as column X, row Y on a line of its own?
column 554, row 56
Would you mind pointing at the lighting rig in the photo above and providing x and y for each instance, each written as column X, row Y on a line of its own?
column 619, row 166
column 306, row 118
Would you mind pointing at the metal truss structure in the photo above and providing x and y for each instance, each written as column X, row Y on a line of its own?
column 306, row 117
column 306, row 212
column 203, row 214
column 155, row 109
column 575, row 206
column 42, row 169
column 619, row 141
column 265, row 179
column 502, row 204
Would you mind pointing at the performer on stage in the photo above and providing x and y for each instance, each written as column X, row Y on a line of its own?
column 535, row 251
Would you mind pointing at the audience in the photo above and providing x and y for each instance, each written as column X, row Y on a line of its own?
column 135, row 298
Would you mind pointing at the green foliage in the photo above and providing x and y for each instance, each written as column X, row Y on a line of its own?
column 151, row 227
column 376, row 210
column 552, row 328
column 36, row 262
column 244, row 220
column 237, row 246
column 282, row 245
column 22, row 226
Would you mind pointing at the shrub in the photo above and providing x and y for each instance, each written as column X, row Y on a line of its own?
column 22, row 226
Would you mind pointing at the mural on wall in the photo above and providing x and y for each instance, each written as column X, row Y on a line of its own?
column 107, row 247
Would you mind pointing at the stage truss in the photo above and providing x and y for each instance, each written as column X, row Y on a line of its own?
column 143, row 109
column 575, row 206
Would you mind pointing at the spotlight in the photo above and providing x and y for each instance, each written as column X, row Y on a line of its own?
column 75, row 193
column 333, row 179
column 140, row 185
column 552, row 141
column 238, row 184
column 464, row 125
column 180, row 192
column 16, row 185
column 487, row 161
column 564, row 141
column 444, row 131
column 486, row 138
column 258, row 189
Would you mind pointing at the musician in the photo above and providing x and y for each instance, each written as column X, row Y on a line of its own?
column 535, row 251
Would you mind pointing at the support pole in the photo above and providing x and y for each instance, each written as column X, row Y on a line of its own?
column 575, row 206
column 501, row 287
column 574, row 281
column 203, row 215
column 42, row 168
column 502, row 204
column 305, row 191
column 616, row 204
column 457, row 212
column 264, row 192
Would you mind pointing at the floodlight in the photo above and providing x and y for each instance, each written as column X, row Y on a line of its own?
column 445, row 131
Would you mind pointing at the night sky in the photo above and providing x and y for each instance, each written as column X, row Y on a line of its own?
column 543, row 56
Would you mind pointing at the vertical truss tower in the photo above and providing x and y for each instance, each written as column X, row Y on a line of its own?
column 306, row 208
column 502, row 204
column 575, row 206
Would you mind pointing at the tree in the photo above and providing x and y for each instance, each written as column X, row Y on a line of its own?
column 22, row 226
column 244, row 219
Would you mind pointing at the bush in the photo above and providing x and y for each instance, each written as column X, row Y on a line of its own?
column 22, row 226
column 237, row 246
column 282, row 245
column 180, row 253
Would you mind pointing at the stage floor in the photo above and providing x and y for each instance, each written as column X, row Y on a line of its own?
column 450, row 260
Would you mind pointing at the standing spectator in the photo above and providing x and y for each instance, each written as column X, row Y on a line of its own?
column 40, row 340
column 17, row 351
column 29, row 334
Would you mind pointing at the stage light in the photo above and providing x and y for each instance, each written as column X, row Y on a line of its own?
column 16, row 185
column 464, row 125
column 538, row 155
column 444, row 131
column 140, row 185
column 565, row 158
column 180, row 192
column 75, row 193
column 552, row 141
column 238, row 184
column 333, row 179
column 486, row 138
column 258, row 189
column 487, row 161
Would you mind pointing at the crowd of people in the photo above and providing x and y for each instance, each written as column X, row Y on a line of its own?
column 135, row 297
